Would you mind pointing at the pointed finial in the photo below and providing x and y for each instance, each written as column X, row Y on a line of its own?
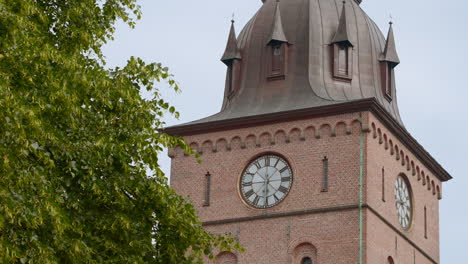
column 232, row 19
column 391, row 20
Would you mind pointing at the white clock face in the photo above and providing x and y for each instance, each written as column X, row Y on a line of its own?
column 404, row 203
column 266, row 181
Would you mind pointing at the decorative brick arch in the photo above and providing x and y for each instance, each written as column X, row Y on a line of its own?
column 302, row 251
column 302, row 247
column 265, row 139
column 295, row 135
column 342, row 129
column 222, row 145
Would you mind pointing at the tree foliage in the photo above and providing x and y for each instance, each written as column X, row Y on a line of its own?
column 77, row 140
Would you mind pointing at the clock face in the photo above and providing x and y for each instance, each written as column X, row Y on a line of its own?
column 404, row 203
column 266, row 181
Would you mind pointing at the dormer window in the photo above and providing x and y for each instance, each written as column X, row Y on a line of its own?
column 342, row 61
column 232, row 58
column 277, row 60
column 277, row 48
column 342, row 50
column 388, row 62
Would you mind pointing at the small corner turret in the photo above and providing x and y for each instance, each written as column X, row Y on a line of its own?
column 232, row 51
column 389, row 60
column 231, row 58
column 390, row 54
column 342, row 50
column 341, row 35
column 278, row 45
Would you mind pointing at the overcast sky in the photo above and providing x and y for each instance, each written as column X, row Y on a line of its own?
column 190, row 36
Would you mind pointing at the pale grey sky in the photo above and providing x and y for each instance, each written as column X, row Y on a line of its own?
column 190, row 36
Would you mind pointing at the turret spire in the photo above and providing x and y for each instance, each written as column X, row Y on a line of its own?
column 277, row 32
column 232, row 50
column 390, row 53
column 341, row 35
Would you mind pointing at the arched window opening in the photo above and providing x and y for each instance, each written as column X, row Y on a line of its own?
column 226, row 258
column 306, row 260
column 305, row 253
column 390, row 260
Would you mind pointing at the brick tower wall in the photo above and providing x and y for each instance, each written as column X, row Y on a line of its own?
column 322, row 225
column 385, row 237
column 308, row 220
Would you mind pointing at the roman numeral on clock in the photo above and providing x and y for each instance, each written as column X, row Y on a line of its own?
column 257, row 165
column 276, row 198
column 283, row 189
column 256, row 200
column 247, row 184
column 285, row 179
column 249, row 193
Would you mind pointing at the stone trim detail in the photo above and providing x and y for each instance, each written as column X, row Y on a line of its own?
column 407, row 162
column 269, row 138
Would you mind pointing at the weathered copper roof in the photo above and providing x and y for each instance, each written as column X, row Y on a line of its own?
column 309, row 26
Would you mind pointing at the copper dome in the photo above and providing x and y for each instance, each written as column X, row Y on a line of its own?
column 308, row 28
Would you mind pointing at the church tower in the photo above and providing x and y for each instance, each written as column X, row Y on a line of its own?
column 308, row 160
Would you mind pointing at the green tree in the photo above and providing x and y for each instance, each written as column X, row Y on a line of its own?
column 77, row 140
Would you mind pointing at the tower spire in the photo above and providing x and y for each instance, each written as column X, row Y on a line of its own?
column 341, row 35
column 277, row 32
column 390, row 53
column 232, row 50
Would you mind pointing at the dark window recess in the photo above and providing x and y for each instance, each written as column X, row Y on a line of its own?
column 342, row 61
column 277, row 66
column 230, row 79
column 386, row 72
column 207, row 189
column 383, row 184
column 325, row 175
column 233, row 72
column 425, row 222
column 306, row 260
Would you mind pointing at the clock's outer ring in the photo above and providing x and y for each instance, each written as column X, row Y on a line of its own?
column 411, row 196
column 241, row 193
